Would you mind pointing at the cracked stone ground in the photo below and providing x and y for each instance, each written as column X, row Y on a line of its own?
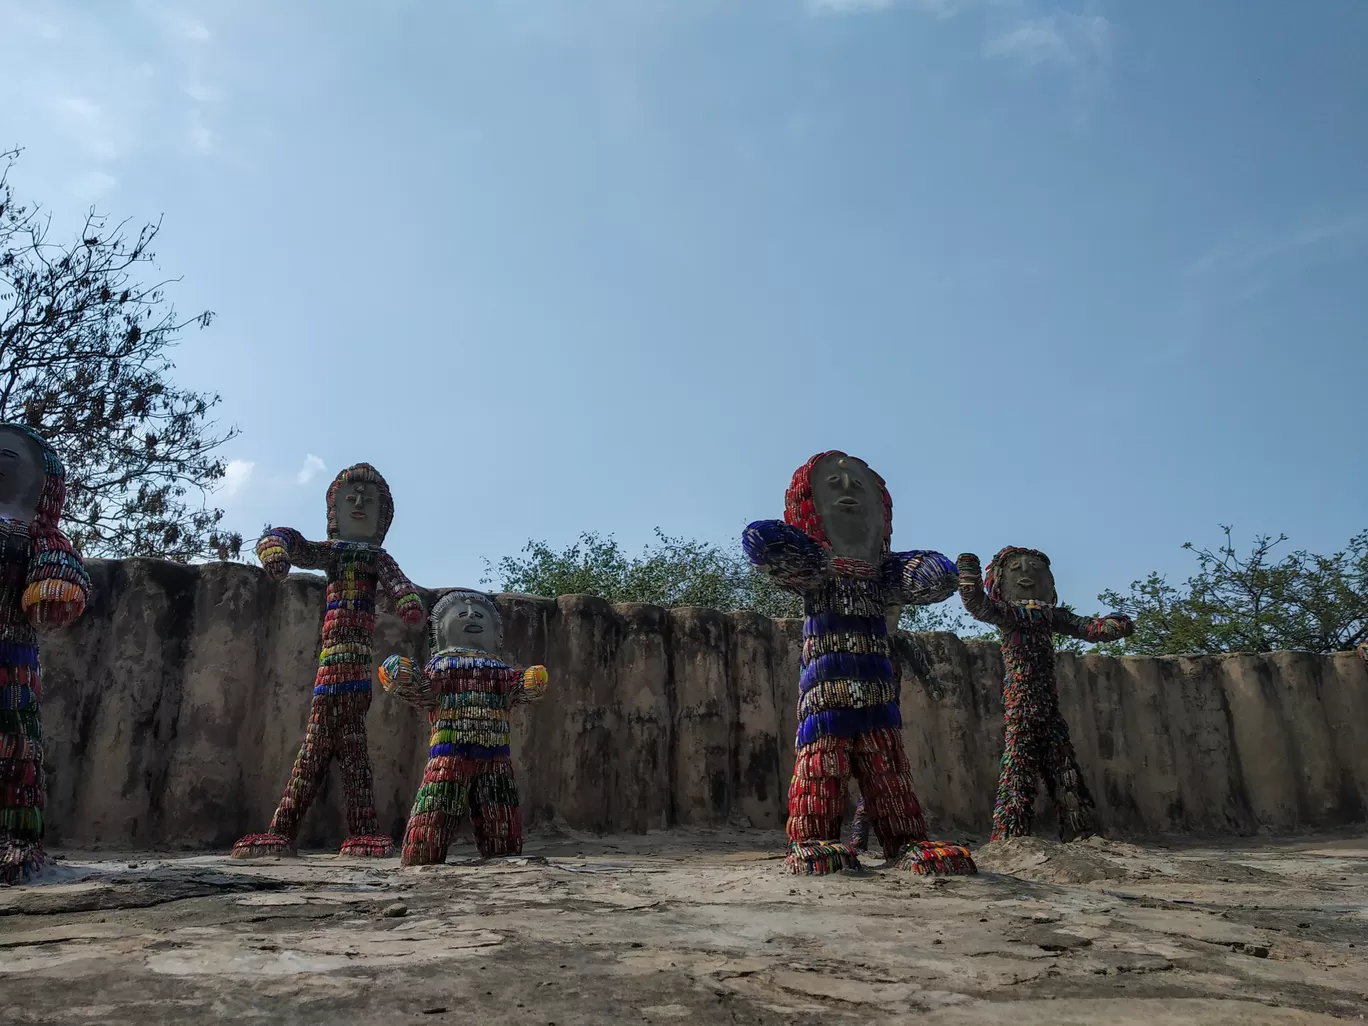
column 697, row 929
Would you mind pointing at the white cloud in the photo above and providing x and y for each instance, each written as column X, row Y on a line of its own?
column 195, row 30
column 1062, row 39
column 1305, row 240
column 91, row 185
column 235, row 477
column 313, row 466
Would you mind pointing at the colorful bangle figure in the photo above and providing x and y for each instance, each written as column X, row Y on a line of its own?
column 43, row 585
column 469, row 696
column 832, row 548
column 1021, row 602
column 360, row 509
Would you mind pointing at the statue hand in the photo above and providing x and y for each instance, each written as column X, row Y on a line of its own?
column 277, row 569
column 397, row 670
column 968, row 565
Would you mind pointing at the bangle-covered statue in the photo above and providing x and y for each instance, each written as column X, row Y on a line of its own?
column 469, row 695
column 1021, row 602
column 360, row 509
column 832, row 548
column 43, row 584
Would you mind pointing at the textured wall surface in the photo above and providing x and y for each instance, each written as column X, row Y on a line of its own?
column 175, row 707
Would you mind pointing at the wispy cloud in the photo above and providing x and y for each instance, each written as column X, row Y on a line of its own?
column 91, row 185
column 1060, row 39
column 1309, row 239
column 313, row 466
column 235, row 477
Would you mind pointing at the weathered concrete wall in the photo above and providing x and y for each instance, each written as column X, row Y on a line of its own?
column 176, row 705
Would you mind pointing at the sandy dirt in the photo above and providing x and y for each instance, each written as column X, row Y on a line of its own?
column 697, row 929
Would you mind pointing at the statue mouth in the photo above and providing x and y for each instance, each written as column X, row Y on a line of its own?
column 357, row 514
column 473, row 628
column 848, row 502
column 1026, row 582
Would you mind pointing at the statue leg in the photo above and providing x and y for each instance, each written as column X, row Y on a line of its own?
column 495, row 811
column 441, row 801
column 1064, row 781
column 880, row 765
column 306, row 777
column 22, row 797
column 859, row 827
column 1018, row 776
column 358, row 783
column 816, row 801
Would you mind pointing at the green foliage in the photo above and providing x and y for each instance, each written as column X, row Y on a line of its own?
column 1259, row 603
column 671, row 572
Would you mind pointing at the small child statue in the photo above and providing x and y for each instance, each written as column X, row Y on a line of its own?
column 43, row 585
column 832, row 548
column 360, row 509
column 1021, row 601
column 469, row 696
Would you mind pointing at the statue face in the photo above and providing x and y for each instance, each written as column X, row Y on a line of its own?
column 21, row 475
column 1025, row 578
column 848, row 499
column 358, row 512
column 470, row 622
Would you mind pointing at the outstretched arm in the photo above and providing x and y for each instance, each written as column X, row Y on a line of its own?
column 788, row 555
column 400, row 589
column 57, row 587
column 920, row 577
column 531, row 687
column 975, row 599
column 280, row 548
column 403, row 679
column 1112, row 627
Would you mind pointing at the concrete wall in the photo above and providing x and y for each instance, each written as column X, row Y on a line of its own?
column 175, row 707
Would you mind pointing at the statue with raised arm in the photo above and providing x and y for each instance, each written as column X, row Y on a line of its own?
column 832, row 549
column 1020, row 600
column 469, row 695
column 360, row 509
column 43, row 585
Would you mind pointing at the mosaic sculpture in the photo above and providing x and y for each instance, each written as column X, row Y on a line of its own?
column 360, row 509
column 832, row 548
column 903, row 651
column 469, row 695
column 1021, row 602
column 43, row 585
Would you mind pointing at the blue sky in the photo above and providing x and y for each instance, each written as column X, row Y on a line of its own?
column 1084, row 277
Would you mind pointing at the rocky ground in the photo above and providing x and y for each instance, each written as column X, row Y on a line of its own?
column 701, row 930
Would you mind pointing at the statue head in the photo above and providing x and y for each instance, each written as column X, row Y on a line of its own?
column 1017, row 576
column 360, row 507
column 841, row 504
column 465, row 618
column 32, row 479
column 23, row 473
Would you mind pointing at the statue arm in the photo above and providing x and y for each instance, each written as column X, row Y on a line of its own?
column 920, row 578
column 57, row 587
column 400, row 589
column 403, row 679
column 531, row 686
column 1112, row 627
column 975, row 599
column 794, row 560
column 281, row 548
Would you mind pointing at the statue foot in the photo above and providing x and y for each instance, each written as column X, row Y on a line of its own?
column 1076, row 827
column 257, row 846
column 819, row 858
column 936, row 858
column 368, row 846
column 20, row 861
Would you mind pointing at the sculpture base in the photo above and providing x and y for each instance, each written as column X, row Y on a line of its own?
column 820, row 858
column 936, row 858
column 368, row 846
column 258, row 846
column 20, row 861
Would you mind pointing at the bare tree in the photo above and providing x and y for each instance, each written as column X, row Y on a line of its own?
column 83, row 360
